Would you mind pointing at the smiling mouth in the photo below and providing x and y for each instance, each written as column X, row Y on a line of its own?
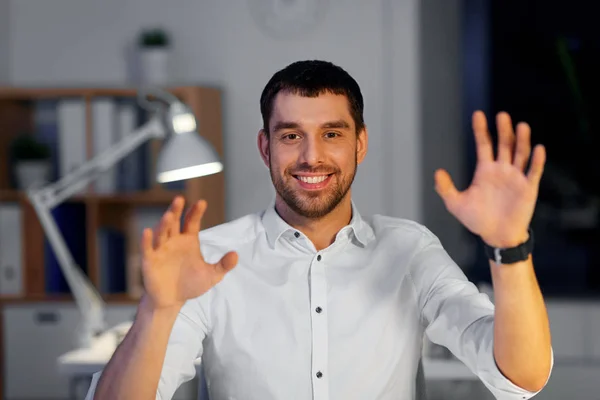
column 312, row 179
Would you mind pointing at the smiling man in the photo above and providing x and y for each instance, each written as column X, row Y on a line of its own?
column 312, row 142
column 310, row 300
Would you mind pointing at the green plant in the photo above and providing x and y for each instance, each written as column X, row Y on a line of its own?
column 156, row 37
column 27, row 148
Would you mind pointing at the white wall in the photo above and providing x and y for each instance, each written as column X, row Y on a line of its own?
column 4, row 41
column 69, row 42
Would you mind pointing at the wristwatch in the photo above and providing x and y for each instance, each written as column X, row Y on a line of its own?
column 510, row 255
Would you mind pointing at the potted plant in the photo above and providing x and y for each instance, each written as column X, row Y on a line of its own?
column 154, row 48
column 32, row 161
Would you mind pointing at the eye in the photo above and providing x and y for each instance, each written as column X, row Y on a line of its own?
column 291, row 136
column 332, row 134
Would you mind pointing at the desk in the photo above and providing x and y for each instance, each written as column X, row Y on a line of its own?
column 80, row 364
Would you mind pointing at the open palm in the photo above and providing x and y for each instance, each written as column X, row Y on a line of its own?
column 173, row 268
column 499, row 203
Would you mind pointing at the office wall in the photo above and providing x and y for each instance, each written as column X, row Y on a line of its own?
column 445, row 124
column 4, row 41
column 66, row 42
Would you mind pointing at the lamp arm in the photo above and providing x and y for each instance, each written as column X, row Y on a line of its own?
column 88, row 300
column 87, row 297
column 76, row 180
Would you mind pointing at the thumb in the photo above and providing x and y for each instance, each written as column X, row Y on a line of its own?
column 445, row 187
column 227, row 262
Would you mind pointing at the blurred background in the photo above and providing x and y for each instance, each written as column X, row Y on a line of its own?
column 68, row 73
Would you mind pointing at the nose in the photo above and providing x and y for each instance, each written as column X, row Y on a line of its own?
column 313, row 151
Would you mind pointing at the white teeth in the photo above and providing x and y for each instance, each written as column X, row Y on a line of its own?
column 312, row 179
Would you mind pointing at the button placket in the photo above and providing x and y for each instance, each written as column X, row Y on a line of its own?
column 320, row 334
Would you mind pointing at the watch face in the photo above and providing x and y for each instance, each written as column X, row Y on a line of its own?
column 287, row 18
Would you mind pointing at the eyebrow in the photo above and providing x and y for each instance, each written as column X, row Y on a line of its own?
column 338, row 124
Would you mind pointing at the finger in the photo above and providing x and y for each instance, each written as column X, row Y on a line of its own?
column 483, row 142
column 194, row 217
column 155, row 232
column 188, row 214
column 536, row 169
column 227, row 263
column 506, row 137
column 147, row 242
column 164, row 229
column 445, row 188
column 523, row 147
column 177, row 209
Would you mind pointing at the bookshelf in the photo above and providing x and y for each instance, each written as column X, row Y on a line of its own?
column 114, row 210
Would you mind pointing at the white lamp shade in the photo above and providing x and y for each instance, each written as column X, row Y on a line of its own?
column 186, row 155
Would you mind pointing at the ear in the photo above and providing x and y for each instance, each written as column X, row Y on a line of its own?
column 362, row 144
column 263, row 146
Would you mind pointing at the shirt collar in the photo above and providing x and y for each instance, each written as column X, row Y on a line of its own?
column 276, row 227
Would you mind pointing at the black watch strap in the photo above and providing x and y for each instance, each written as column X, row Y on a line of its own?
column 511, row 255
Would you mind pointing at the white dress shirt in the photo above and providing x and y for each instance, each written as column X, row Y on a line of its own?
column 346, row 322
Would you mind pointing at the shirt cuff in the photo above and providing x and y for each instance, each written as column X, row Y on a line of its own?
column 503, row 388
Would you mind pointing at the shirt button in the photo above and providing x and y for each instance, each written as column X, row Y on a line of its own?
column 319, row 257
column 297, row 234
column 319, row 374
column 318, row 310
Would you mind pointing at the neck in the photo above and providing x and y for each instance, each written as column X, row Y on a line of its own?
column 321, row 231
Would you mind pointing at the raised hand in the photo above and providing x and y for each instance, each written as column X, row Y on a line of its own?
column 499, row 203
column 173, row 267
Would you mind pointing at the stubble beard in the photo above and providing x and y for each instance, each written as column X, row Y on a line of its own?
column 312, row 205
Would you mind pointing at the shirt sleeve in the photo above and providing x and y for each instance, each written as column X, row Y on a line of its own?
column 183, row 349
column 457, row 316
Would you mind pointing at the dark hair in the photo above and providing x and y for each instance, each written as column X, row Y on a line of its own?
column 312, row 78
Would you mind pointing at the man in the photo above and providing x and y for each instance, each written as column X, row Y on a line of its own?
column 323, row 304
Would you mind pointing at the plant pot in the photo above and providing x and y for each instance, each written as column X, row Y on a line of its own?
column 32, row 172
column 154, row 65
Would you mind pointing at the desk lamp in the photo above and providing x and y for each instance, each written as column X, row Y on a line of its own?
column 184, row 155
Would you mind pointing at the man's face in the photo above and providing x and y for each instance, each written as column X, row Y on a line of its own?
column 312, row 152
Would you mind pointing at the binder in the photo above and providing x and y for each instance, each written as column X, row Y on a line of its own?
column 11, row 263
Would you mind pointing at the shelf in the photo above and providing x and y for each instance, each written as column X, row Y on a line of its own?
column 116, row 298
column 136, row 198
column 11, row 195
column 146, row 198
